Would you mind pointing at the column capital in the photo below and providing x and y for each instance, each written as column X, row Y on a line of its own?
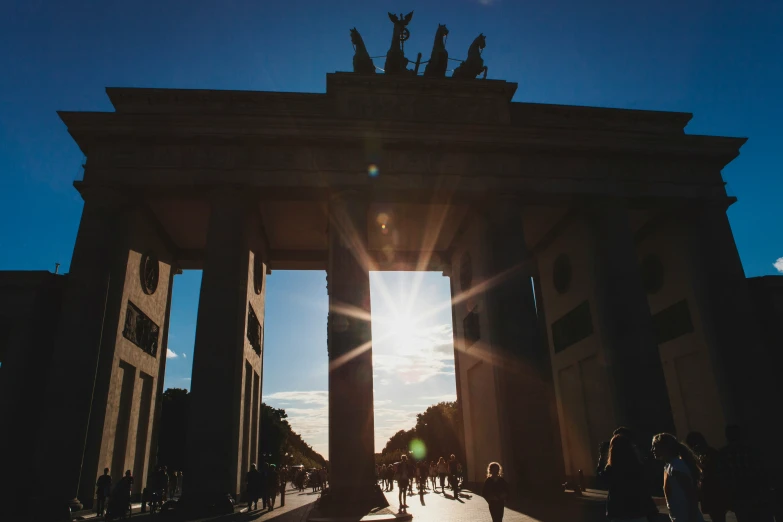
column 106, row 197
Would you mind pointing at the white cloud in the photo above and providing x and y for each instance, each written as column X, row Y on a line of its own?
column 308, row 415
column 778, row 265
column 418, row 356
column 306, row 397
column 184, row 355
column 447, row 397
column 170, row 354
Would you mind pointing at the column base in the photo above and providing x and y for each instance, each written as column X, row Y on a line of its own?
column 346, row 502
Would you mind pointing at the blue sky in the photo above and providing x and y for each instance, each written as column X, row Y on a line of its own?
column 719, row 60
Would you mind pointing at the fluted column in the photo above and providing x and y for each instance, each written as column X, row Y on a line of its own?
column 531, row 449
column 78, row 378
column 230, row 314
column 351, row 421
column 627, row 335
column 730, row 326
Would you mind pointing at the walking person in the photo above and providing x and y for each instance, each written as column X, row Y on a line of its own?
column 495, row 491
column 283, row 481
column 680, row 476
column 253, row 480
column 443, row 470
column 454, row 475
column 433, row 474
column 103, row 487
column 402, row 482
column 262, row 491
column 712, row 490
column 628, row 499
column 411, row 475
column 272, row 484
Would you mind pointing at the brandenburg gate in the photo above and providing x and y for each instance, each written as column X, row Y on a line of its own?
column 594, row 275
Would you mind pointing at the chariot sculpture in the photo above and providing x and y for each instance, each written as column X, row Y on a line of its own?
column 436, row 67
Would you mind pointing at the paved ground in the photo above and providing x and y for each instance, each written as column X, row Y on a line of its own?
column 437, row 507
column 470, row 507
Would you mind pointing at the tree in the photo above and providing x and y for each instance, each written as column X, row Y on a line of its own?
column 438, row 428
column 172, row 436
column 276, row 438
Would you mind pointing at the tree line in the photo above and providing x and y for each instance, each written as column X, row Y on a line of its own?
column 437, row 433
column 276, row 439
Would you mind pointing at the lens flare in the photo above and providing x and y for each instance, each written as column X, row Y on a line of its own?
column 417, row 449
column 373, row 171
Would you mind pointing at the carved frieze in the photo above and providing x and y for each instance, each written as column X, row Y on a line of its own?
column 141, row 330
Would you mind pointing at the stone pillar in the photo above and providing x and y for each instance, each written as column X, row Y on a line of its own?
column 730, row 327
column 351, row 421
column 229, row 334
column 78, row 379
column 457, row 361
column 626, row 328
column 530, row 445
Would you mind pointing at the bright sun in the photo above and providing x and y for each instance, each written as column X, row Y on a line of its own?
column 405, row 333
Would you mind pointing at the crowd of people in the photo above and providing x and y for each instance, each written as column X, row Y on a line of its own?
column 696, row 479
column 114, row 500
column 423, row 475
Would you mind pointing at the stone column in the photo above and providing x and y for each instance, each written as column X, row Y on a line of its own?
column 215, row 444
column 730, row 327
column 530, row 443
column 78, row 378
column 457, row 357
column 351, row 421
column 626, row 328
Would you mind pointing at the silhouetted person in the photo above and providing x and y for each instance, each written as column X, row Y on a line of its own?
column 443, row 471
column 712, row 490
column 744, row 476
column 411, row 475
column 495, row 491
column 454, row 475
column 680, row 476
column 272, row 483
column 253, row 480
column 263, row 486
column 628, row 498
column 103, row 487
column 283, row 481
column 119, row 503
column 433, row 472
column 402, row 482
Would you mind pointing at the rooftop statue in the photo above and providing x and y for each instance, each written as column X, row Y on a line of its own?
column 396, row 63
column 474, row 65
column 439, row 58
column 362, row 63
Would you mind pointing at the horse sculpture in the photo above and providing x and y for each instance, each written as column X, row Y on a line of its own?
column 396, row 63
column 362, row 63
column 439, row 58
column 474, row 65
